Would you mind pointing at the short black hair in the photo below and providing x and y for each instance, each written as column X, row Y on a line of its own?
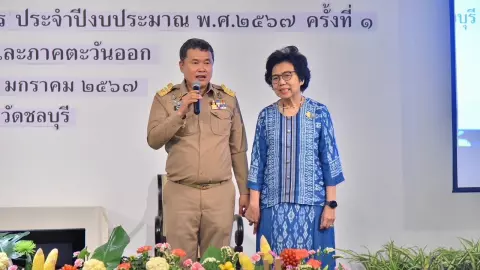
column 293, row 56
column 195, row 43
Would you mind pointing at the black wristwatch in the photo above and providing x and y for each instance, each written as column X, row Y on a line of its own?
column 331, row 204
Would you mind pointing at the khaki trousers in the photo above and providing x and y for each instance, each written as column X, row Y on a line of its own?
column 198, row 218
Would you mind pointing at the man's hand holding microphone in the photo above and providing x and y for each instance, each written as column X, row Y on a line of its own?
column 192, row 97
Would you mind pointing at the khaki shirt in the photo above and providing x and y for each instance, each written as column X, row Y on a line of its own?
column 202, row 148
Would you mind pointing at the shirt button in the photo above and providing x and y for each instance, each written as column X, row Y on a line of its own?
column 288, row 130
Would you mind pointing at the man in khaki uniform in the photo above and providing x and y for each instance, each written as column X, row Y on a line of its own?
column 199, row 197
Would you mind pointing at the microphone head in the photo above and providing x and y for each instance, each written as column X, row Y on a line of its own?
column 196, row 86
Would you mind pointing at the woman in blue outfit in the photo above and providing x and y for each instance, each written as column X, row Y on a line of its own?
column 295, row 165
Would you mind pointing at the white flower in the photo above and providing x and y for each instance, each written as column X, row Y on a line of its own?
column 4, row 261
column 210, row 260
column 227, row 250
column 157, row 263
column 329, row 250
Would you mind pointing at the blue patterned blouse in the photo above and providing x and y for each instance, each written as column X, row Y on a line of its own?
column 294, row 158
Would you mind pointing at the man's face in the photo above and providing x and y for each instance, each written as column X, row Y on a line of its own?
column 197, row 67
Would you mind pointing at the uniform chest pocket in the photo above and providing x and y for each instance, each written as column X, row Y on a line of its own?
column 190, row 127
column 221, row 121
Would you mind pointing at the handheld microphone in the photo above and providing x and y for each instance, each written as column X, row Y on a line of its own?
column 196, row 105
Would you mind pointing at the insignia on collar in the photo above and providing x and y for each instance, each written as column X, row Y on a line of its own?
column 227, row 90
column 165, row 90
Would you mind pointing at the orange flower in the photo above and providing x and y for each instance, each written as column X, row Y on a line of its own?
column 302, row 254
column 179, row 252
column 289, row 257
column 316, row 264
column 69, row 267
column 124, row 266
column 144, row 249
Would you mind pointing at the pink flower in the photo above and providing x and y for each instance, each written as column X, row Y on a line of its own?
column 163, row 246
column 13, row 267
column 256, row 257
column 187, row 263
column 76, row 253
column 78, row 263
column 312, row 252
column 197, row 266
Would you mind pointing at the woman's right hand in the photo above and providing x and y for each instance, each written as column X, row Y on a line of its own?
column 253, row 215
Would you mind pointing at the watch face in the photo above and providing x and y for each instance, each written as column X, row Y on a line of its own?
column 332, row 204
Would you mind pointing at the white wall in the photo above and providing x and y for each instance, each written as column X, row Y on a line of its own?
column 389, row 97
column 432, row 214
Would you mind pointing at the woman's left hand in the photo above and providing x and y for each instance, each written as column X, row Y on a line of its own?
column 328, row 218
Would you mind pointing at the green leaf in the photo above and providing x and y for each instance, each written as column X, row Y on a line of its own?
column 111, row 252
column 8, row 241
column 84, row 254
column 15, row 255
column 29, row 262
column 212, row 252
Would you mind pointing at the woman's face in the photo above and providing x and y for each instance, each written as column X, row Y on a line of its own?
column 285, row 81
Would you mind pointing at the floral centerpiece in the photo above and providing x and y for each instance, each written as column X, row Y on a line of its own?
column 163, row 257
column 159, row 257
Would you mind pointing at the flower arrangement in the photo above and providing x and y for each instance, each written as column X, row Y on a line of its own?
column 105, row 257
column 288, row 259
column 163, row 257
column 159, row 257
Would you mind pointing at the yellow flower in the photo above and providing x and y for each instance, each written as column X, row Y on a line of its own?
column 51, row 260
column 4, row 261
column 265, row 249
column 157, row 263
column 245, row 262
column 94, row 264
column 38, row 260
column 226, row 266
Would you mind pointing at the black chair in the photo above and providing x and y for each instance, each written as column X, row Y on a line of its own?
column 160, row 235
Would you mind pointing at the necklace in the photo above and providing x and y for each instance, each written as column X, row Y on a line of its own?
column 293, row 106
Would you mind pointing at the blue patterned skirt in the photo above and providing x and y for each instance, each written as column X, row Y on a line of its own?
column 287, row 225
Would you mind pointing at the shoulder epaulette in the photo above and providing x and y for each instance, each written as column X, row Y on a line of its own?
column 165, row 90
column 227, row 91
